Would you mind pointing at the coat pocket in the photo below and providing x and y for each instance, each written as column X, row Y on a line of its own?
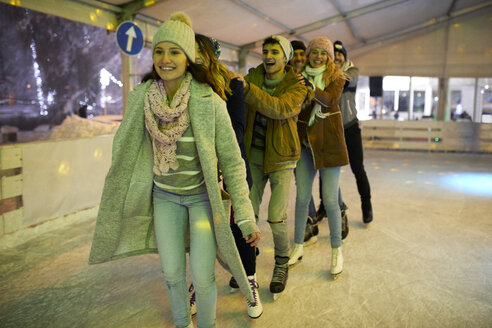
column 285, row 139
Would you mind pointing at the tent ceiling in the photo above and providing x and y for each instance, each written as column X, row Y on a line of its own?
column 358, row 23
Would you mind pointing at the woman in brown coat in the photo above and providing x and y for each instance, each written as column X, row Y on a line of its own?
column 323, row 148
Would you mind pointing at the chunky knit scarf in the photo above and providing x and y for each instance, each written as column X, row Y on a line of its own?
column 315, row 76
column 166, row 124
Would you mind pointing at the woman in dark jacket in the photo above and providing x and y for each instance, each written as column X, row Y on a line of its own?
column 207, row 54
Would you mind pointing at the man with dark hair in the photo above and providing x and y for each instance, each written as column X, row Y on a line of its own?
column 352, row 133
column 298, row 60
column 273, row 99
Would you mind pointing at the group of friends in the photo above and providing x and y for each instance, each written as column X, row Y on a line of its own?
column 192, row 123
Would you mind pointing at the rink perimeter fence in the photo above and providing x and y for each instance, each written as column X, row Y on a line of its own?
column 57, row 181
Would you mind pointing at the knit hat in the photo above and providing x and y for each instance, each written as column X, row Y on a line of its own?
column 298, row 45
column 177, row 29
column 214, row 44
column 322, row 43
column 285, row 45
column 338, row 46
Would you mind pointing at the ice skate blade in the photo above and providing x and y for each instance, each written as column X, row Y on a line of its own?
column 311, row 241
column 335, row 276
column 275, row 296
column 256, row 317
column 233, row 290
column 295, row 263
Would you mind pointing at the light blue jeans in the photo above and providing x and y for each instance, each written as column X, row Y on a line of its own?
column 172, row 215
column 330, row 177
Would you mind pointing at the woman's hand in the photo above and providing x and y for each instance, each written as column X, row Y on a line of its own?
column 253, row 239
column 239, row 77
column 301, row 79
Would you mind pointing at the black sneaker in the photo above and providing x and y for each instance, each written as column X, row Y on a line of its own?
column 345, row 227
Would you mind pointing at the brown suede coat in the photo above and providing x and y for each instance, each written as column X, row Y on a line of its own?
column 326, row 136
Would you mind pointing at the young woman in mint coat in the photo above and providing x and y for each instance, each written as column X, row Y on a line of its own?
column 161, row 193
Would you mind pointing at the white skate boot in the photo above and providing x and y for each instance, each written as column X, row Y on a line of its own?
column 255, row 309
column 192, row 295
column 296, row 254
column 336, row 262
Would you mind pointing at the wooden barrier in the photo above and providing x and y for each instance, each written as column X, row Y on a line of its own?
column 427, row 135
column 11, row 204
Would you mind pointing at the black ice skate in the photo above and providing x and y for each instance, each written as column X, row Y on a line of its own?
column 280, row 274
column 311, row 232
column 345, row 227
column 320, row 214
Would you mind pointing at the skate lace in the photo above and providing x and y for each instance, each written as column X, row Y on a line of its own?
column 254, row 287
column 193, row 294
column 279, row 273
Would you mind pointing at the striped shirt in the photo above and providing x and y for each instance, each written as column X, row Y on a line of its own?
column 188, row 178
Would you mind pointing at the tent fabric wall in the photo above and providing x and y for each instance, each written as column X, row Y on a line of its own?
column 458, row 50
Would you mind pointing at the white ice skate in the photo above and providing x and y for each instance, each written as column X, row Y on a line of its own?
column 296, row 254
column 336, row 262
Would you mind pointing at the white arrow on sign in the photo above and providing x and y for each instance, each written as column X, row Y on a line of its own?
column 131, row 35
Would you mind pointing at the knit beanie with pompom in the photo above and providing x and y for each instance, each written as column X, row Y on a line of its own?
column 322, row 43
column 177, row 29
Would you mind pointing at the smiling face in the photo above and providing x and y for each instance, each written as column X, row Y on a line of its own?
column 298, row 60
column 318, row 57
column 273, row 60
column 339, row 59
column 169, row 62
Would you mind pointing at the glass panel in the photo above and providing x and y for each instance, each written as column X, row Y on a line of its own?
column 52, row 69
column 424, row 92
column 396, row 87
column 461, row 97
column 484, row 101
column 362, row 99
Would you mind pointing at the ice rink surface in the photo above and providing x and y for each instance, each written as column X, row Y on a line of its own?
column 425, row 261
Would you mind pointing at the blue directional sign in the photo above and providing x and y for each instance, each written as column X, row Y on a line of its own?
column 130, row 38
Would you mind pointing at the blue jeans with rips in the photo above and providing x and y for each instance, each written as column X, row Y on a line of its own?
column 172, row 215
column 330, row 177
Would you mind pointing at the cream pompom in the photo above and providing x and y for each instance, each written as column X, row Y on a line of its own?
column 181, row 17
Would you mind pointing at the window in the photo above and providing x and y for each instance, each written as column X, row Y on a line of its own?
column 484, row 100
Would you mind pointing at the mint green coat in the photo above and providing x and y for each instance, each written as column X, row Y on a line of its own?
column 125, row 225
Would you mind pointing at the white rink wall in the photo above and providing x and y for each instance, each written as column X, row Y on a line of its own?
column 52, row 180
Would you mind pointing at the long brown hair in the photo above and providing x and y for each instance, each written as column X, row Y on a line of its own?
column 216, row 70
column 332, row 72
